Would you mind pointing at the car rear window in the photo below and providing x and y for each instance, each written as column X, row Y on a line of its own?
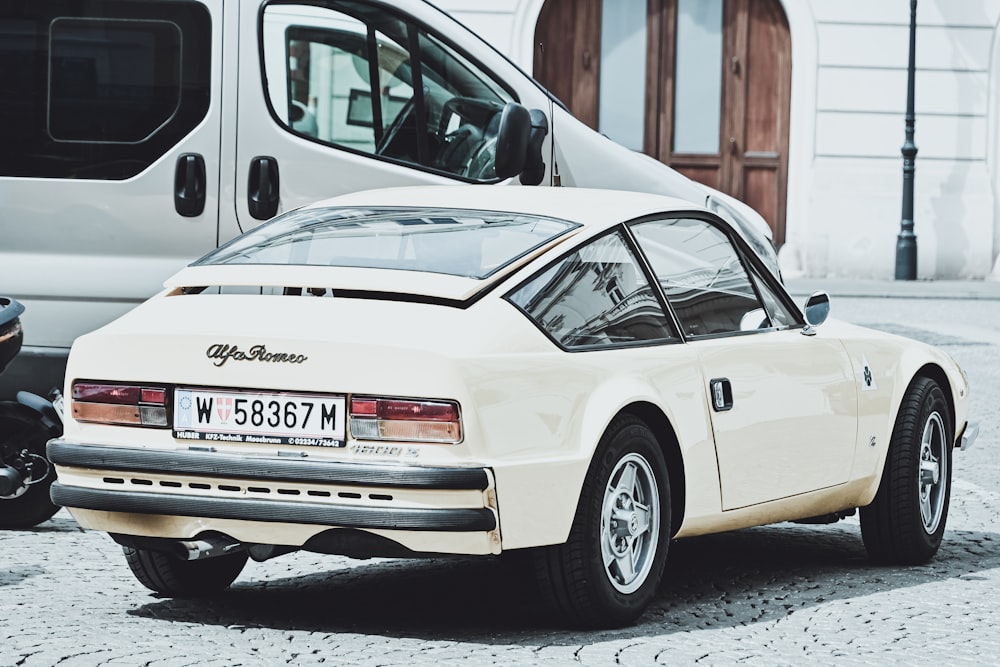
column 468, row 243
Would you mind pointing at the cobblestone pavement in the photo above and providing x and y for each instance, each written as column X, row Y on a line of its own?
column 778, row 595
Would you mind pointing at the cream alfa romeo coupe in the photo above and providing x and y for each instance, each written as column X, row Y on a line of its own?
column 585, row 375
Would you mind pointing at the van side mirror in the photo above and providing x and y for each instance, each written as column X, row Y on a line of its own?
column 512, row 140
column 816, row 311
column 534, row 165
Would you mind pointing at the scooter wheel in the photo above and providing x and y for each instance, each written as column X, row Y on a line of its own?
column 20, row 426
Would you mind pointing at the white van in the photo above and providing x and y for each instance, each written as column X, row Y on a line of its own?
column 137, row 135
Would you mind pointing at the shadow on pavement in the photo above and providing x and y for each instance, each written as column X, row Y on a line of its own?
column 61, row 523
column 717, row 581
column 14, row 576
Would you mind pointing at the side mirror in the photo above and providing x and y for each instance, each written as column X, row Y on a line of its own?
column 512, row 140
column 816, row 311
column 534, row 165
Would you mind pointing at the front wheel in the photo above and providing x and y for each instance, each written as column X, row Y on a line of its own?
column 171, row 576
column 23, row 437
column 905, row 523
column 608, row 570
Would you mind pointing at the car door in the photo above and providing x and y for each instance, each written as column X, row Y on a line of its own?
column 109, row 167
column 354, row 95
column 783, row 405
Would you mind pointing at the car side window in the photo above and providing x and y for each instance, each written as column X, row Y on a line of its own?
column 596, row 296
column 702, row 276
column 99, row 90
column 781, row 316
column 354, row 76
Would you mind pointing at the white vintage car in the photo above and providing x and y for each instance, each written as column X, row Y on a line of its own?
column 587, row 375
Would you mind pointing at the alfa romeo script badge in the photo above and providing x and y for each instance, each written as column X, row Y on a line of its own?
column 220, row 354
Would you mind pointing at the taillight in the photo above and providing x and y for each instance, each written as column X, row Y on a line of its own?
column 127, row 404
column 403, row 419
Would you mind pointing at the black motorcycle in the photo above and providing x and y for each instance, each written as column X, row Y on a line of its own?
column 26, row 425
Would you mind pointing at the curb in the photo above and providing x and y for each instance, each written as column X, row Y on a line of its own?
column 979, row 290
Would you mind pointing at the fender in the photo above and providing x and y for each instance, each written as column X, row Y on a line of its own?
column 896, row 366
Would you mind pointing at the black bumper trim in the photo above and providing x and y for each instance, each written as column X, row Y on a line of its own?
column 304, row 470
column 251, row 509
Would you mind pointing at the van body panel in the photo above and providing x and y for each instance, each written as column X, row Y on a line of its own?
column 280, row 112
column 78, row 252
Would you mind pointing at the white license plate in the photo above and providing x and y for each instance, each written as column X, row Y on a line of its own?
column 259, row 417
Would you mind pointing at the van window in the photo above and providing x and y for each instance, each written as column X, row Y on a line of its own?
column 101, row 90
column 353, row 76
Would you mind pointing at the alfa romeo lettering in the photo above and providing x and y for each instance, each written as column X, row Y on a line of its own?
column 279, row 418
column 220, row 354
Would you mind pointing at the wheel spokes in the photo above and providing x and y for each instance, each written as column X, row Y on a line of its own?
column 626, row 484
column 932, row 473
column 628, row 523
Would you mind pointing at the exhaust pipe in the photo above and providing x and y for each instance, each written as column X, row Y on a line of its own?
column 209, row 546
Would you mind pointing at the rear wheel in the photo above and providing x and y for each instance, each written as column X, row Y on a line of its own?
column 23, row 437
column 169, row 575
column 608, row 570
column 905, row 523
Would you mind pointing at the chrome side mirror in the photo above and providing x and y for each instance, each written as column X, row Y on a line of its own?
column 816, row 311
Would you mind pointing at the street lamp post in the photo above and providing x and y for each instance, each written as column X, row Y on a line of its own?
column 906, row 242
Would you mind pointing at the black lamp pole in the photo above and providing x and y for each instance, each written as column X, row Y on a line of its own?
column 906, row 242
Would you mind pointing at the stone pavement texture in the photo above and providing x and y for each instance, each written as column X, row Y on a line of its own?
column 778, row 595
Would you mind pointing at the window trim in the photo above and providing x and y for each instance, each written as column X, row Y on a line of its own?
column 172, row 25
column 414, row 26
column 619, row 228
column 744, row 254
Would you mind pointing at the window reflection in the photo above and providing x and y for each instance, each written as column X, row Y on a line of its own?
column 702, row 276
column 596, row 296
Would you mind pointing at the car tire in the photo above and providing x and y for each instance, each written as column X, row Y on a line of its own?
column 608, row 571
column 168, row 575
column 905, row 523
column 33, row 506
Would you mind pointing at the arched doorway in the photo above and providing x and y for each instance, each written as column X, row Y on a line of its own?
column 702, row 85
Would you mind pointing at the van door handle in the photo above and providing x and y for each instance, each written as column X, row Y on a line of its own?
column 722, row 394
column 262, row 187
column 189, row 185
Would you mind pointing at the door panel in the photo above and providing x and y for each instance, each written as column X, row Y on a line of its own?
column 793, row 425
column 567, row 54
column 308, row 170
column 357, row 97
column 88, row 171
column 741, row 86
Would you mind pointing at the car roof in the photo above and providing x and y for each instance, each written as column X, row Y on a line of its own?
column 585, row 206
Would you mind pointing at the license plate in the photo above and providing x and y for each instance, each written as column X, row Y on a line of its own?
column 260, row 417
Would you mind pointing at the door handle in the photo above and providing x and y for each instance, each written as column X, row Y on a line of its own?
column 722, row 394
column 189, row 185
column 262, row 187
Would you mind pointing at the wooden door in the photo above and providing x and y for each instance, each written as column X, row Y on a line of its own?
column 750, row 99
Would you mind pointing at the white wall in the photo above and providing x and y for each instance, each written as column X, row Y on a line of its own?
column 848, row 226
column 509, row 25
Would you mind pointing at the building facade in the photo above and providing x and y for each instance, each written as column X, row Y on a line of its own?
column 795, row 106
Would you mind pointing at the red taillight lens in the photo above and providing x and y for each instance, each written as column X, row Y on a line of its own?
column 119, row 404
column 405, row 420
column 106, row 393
column 417, row 410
